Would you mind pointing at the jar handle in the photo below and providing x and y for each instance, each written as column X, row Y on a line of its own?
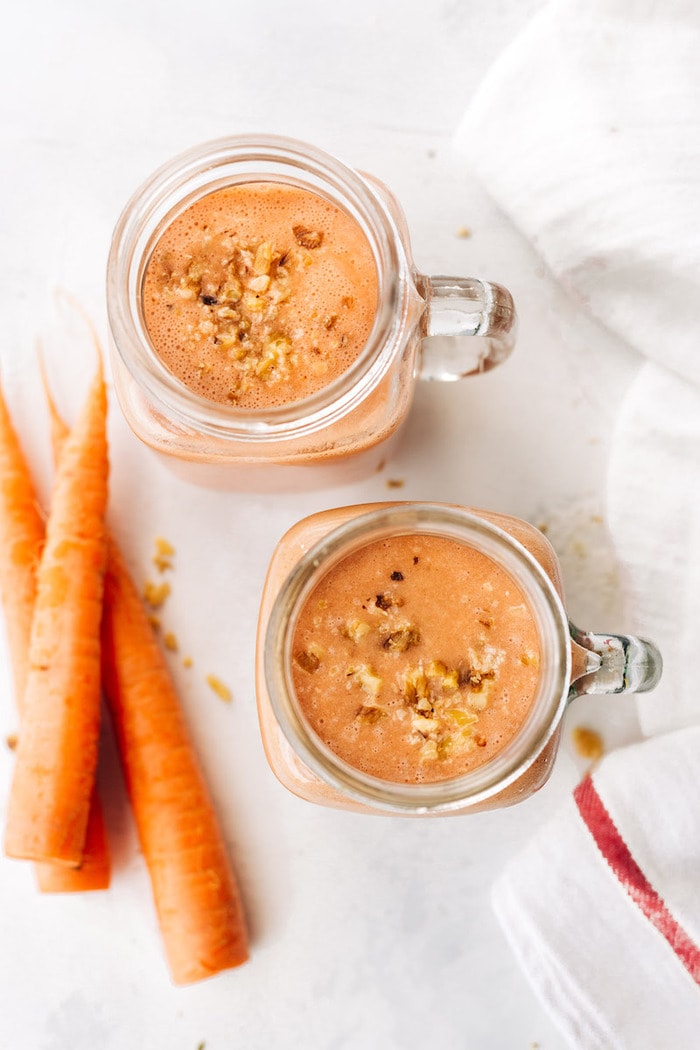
column 464, row 306
column 616, row 663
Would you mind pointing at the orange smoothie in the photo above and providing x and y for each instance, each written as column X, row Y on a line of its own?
column 260, row 294
column 416, row 659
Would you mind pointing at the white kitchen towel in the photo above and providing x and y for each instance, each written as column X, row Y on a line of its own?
column 587, row 133
column 614, row 957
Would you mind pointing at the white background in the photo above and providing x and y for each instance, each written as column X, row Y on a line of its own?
column 367, row 933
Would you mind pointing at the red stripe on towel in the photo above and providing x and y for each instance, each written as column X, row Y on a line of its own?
column 622, row 863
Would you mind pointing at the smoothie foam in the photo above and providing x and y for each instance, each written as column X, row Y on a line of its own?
column 416, row 659
column 260, row 294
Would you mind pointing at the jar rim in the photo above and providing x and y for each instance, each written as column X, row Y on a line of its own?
column 545, row 605
column 245, row 158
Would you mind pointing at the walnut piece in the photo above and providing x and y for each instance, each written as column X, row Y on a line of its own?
column 307, row 238
column 365, row 677
column 371, row 713
column 401, row 639
column 308, row 661
column 355, row 630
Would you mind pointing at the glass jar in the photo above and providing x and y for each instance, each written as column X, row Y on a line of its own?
column 341, row 432
column 572, row 662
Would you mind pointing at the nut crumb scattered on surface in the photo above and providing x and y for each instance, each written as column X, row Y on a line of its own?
column 588, row 743
column 11, row 740
column 170, row 642
column 218, row 687
column 154, row 622
column 187, row 661
column 165, row 552
column 463, row 232
column 155, row 593
column 395, row 483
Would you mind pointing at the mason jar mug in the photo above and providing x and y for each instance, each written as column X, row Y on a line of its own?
column 440, row 328
column 417, row 659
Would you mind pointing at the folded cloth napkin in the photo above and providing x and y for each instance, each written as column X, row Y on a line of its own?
column 602, row 908
column 587, row 133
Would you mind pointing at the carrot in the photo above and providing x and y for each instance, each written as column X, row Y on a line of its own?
column 21, row 542
column 54, row 774
column 94, row 872
column 194, row 889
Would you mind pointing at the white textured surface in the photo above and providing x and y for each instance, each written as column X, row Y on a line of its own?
column 367, row 932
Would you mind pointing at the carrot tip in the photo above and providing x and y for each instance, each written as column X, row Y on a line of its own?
column 64, row 299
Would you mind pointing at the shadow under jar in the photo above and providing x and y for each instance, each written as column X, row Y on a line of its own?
column 416, row 659
column 288, row 434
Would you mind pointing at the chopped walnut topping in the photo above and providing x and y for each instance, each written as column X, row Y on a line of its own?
column 365, row 677
column 425, row 725
column 371, row 713
column 474, row 677
column 386, row 601
column 397, row 576
column 239, row 308
column 462, row 718
column 308, row 661
column 429, row 751
column 415, row 685
column 449, row 679
column 263, row 258
column 307, row 238
column 432, row 695
column 402, row 638
column 355, row 630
